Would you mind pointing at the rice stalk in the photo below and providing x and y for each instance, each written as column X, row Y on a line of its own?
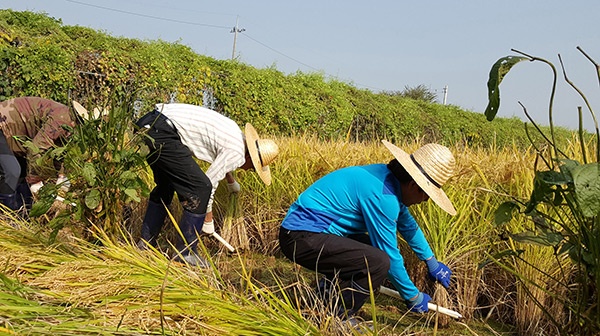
column 234, row 228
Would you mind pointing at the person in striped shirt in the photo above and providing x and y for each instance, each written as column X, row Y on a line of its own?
column 177, row 134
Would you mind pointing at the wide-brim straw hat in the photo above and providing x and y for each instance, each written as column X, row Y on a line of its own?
column 430, row 166
column 262, row 152
column 85, row 115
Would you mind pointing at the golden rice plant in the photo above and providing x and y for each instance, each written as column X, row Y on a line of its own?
column 301, row 162
column 116, row 288
column 258, row 292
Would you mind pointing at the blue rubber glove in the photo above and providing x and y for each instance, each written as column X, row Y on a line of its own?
column 439, row 272
column 419, row 304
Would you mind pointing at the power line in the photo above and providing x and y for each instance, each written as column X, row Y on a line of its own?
column 300, row 62
column 280, row 53
column 147, row 16
column 215, row 26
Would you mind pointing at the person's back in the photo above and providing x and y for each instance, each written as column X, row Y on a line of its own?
column 337, row 201
column 205, row 132
column 35, row 118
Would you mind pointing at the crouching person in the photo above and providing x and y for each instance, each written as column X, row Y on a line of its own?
column 344, row 226
column 42, row 121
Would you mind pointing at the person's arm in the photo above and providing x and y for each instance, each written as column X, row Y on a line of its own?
column 412, row 233
column 232, row 185
column 224, row 163
column 380, row 218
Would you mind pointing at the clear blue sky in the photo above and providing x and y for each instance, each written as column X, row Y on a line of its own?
column 378, row 45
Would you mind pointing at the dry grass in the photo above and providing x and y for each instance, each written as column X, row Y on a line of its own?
column 112, row 286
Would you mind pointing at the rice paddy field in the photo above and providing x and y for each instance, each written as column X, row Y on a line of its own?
column 73, row 285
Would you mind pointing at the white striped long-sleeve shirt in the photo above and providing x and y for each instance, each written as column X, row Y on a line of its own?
column 211, row 136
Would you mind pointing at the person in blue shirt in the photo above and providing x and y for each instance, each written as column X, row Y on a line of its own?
column 344, row 226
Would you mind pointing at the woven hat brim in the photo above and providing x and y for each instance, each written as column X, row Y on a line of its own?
column 81, row 111
column 264, row 172
column 436, row 194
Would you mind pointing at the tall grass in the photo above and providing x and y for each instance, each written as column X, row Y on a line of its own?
column 117, row 289
column 112, row 286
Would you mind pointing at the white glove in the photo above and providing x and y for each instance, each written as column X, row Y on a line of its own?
column 208, row 227
column 63, row 182
column 36, row 187
column 233, row 187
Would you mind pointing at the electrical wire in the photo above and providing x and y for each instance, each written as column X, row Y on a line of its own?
column 148, row 16
column 215, row 26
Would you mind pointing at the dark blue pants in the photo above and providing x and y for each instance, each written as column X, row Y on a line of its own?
column 10, row 168
column 173, row 166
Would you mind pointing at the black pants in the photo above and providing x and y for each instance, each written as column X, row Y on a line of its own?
column 173, row 166
column 351, row 260
column 12, row 169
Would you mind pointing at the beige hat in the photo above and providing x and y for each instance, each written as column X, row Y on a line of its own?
column 85, row 115
column 262, row 152
column 430, row 166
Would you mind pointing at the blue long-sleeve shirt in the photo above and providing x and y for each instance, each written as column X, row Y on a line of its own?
column 362, row 199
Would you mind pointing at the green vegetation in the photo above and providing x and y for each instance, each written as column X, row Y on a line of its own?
column 105, row 161
column 40, row 56
column 72, row 269
column 121, row 289
column 564, row 214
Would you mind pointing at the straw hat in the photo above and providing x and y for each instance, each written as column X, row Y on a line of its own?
column 85, row 115
column 430, row 166
column 262, row 152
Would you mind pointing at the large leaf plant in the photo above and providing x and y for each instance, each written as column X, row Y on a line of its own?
column 564, row 206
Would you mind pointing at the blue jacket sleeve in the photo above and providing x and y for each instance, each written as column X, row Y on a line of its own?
column 412, row 233
column 380, row 215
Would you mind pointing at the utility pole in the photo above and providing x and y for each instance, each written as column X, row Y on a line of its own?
column 235, row 30
column 445, row 94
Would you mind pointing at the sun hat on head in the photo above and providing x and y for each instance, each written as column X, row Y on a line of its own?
column 83, row 113
column 430, row 166
column 262, row 152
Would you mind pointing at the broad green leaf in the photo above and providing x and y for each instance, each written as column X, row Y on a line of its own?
column 566, row 167
column 497, row 73
column 89, row 173
column 133, row 194
column 41, row 206
column 58, row 151
column 92, row 199
column 128, row 175
column 542, row 188
column 500, row 255
column 560, row 181
column 587, row 188
column 553, row 177
column 548, row 238
column 504, row 213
